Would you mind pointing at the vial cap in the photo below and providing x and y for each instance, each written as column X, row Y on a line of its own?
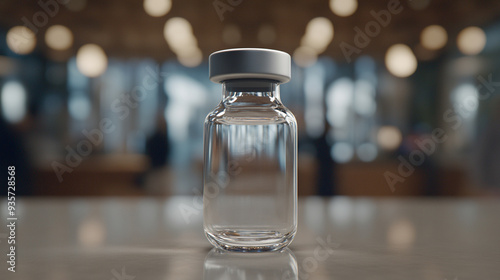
column 249, row 63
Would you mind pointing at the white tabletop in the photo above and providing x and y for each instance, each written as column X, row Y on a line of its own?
column 339, row 238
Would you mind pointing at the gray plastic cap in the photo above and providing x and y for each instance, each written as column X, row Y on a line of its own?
column 249, row 63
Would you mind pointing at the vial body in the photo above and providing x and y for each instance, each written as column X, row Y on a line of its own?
column 250, row 169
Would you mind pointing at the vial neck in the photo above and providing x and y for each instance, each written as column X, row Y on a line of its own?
column 246, row 90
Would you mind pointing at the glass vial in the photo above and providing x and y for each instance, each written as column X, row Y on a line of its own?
column 250, row 154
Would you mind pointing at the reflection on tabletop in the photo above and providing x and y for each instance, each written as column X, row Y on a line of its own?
column 234, row 265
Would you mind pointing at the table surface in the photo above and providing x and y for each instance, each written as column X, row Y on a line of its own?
column 338, row 238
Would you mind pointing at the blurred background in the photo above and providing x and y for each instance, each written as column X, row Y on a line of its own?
column 393, row 98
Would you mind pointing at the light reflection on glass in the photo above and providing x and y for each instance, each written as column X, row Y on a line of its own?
column 237, row 266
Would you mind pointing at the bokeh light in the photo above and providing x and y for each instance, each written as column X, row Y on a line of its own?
column 266, row 34
column 192, row 58
column 389, row 137
column 471, row 40
column 343, row 8
column 400, row 61
column 76, row 5
column 91, row 60
column 319, row 34
column 342, row 152
column 231, row 34
column 21, row 40
column 304, row 56
column 367, row 152
column 419, row 5
column 13, row 101
column 58, row 37
column 179, row 34
column 157, row 8
column 433, row 37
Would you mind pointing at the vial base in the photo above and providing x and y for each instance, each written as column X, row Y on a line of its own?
column 250, row 240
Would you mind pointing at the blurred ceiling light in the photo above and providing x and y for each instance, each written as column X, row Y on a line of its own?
column 91, row 60
column 59, row 37
column 389, row 137
column 304, row 56
column 76, row 5
column 471, row 40
column 433, row 37
column 343, row 8
column 179, row 34
column 181, row 40
column 13, row 101
column 231, row 34
column 190, row 59
column 400, row 61
column 266, row 34
column 319, row 34
column 21, row 40
column 157, row 8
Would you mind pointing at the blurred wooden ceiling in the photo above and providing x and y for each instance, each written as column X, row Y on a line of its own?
column 123, row 28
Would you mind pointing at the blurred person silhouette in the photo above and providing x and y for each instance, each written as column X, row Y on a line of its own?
column 488, row 154
column 13, row 153
column 157, row 145
column 158, row 152
column 326, row 165
column 420, row 134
